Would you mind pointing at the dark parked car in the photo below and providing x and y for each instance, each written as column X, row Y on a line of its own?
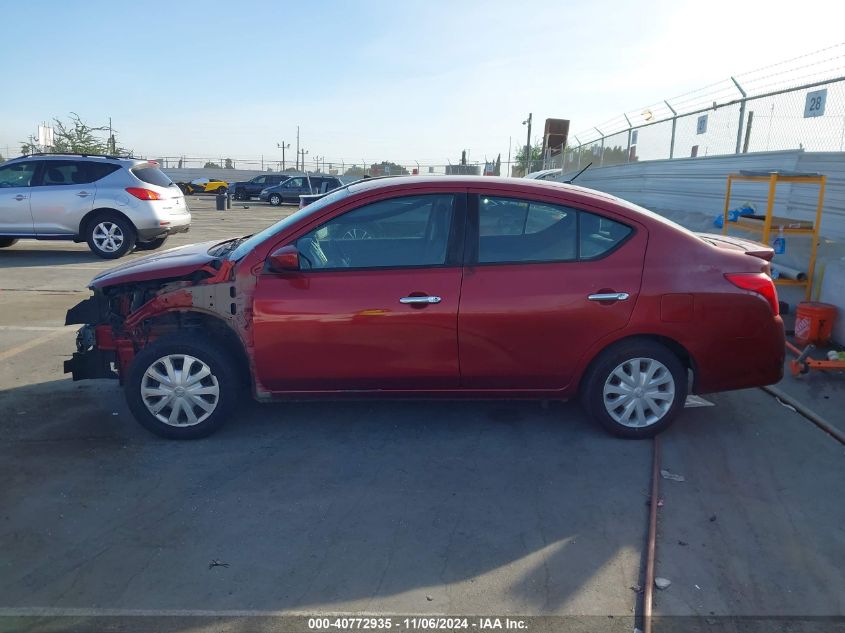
column 463, row 286
column 290, row 190
column 251, row 188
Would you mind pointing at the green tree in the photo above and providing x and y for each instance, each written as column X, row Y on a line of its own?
column 534, row 161
column 76, row 136
column 386, row 168
column 211, row 165
column 228, row 164
column 355, row 170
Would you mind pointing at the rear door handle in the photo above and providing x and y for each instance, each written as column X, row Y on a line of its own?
column 425, row 299
column 20, row 197
column 83, row 194
column 609, row 296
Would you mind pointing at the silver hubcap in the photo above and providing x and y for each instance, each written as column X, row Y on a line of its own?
column 639, row 392
column 180, row 390
column 356, row 234
column 108, row 237
column 275, row 199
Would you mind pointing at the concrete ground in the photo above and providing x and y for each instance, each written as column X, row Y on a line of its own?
column 485, row 508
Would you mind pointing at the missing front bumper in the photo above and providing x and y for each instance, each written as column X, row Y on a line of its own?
column 91, row 364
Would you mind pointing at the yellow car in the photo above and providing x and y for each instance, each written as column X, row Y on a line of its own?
column 204, row 185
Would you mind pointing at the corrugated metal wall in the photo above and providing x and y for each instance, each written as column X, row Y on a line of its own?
column 697, row 185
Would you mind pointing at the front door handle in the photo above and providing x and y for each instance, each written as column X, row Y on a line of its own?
column 426, row 299
column 83, row 194
column 20, row 197
column 609, row 296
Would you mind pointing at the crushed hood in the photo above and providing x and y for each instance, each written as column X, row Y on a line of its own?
column 174, row 262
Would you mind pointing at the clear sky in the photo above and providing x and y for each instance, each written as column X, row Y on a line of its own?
column 374, row 81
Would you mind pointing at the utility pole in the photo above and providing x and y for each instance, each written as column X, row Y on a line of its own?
column 509, row 155
column 297, row 147
column 284, row 146
column 528, row 144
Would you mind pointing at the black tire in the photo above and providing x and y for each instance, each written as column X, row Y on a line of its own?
column 223, row 370
column 7, row 242
column 95, row 228
column 275, row 199
column 239, row 194
column 152, row 244
column 221, row 190
column 621, row 356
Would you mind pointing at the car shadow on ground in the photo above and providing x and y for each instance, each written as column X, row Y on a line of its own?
column 414, row 507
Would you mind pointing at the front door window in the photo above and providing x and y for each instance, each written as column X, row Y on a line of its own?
column 400, row 232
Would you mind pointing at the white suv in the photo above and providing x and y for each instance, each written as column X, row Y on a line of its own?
column 114, row 204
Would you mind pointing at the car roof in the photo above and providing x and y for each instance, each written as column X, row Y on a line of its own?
column 126, row 161
column 490, row 182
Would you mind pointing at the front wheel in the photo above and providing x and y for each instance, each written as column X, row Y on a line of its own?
column 182, row 387
column 635, row 389
column 275, row 199
column 110, row 236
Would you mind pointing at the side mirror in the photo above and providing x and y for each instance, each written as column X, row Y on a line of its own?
column 284, row 259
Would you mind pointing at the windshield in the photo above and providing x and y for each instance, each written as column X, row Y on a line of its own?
column 252, row 241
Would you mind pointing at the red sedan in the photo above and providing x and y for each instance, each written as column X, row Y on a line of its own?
column 441, row 286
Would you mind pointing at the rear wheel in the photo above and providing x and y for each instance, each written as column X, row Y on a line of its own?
column 110, row 236
column 6, row 242
column 182, row 387
column 275, row 199
column 635, row 389
column 152, row 244
column 239, row 194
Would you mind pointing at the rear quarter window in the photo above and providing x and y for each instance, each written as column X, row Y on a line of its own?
column 96, row 171
column 599, row 235
column 152, row 175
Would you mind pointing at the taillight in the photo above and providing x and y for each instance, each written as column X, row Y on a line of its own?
column 760, row 283
column 143, row 194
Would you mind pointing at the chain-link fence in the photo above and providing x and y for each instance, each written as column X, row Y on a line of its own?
column 797, row 104
column 343, row 168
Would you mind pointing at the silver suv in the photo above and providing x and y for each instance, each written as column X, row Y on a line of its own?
column 114, row 204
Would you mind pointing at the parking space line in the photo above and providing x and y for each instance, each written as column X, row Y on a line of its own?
column 29, row 344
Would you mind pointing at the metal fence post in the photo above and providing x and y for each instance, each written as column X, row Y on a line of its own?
column 579, row 150
column 674, row 125
column 741, row 116
column 630, row 128
column 601, row 154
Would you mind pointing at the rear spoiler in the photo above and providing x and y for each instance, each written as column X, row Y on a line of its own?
column 749, row 247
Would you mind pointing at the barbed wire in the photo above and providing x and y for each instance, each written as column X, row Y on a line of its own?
column 727, row 90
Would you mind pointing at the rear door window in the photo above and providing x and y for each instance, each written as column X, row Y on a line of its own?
column 74, row 172
column 152, row 175
column 513, row 230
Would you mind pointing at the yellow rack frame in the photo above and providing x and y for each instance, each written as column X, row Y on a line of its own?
column 789, row 225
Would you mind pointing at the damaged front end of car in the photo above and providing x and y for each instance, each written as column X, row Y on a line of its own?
column 127, row 313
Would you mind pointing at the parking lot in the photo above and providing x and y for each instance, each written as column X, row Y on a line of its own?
column 390, row 507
